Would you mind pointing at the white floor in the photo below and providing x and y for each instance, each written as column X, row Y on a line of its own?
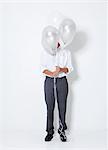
column 83, row 140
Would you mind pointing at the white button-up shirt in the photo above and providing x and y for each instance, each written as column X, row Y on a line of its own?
column 61, row 59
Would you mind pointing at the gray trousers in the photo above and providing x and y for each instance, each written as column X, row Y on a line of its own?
column 61, row 93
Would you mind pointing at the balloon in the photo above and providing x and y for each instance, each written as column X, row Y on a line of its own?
column 50, row 38
column 55, row 18
column 67, row 31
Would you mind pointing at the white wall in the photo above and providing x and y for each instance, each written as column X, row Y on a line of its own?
column 23, row 106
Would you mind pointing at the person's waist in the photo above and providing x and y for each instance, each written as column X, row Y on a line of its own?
column 55, row 77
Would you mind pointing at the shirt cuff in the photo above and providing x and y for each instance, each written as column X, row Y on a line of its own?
column 70, row 69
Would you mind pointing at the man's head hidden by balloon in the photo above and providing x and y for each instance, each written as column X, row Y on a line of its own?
column 54, row 39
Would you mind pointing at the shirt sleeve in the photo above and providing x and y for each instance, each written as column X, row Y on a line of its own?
column 43, row 64
column 69, row 62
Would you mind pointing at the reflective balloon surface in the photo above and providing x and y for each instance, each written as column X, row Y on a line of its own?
column 50, row 38
column 67, row 31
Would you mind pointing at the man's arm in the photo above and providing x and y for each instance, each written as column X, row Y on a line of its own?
column 52, row 74
column 65, row 70
column 47, row 72
column 56, row 72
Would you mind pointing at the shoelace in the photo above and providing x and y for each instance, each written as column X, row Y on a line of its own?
column 61, row 130
column 63, row 134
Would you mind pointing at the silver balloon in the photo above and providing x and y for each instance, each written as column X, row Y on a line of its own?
column 50, row 38
column 67, row 31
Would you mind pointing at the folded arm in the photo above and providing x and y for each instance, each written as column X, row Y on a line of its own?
column 65, row 70
column 52, row 73
column 47, row 72
column 56, row 72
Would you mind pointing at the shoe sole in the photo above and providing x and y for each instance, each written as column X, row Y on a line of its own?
column 49, row 140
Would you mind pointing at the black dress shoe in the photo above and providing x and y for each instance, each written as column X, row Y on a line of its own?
column 62, row 135
column 48, row 137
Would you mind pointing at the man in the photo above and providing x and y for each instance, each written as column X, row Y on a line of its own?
column 56, row 68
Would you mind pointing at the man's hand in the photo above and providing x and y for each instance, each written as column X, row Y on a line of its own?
column 65, row 70
column 57, row 71
column 52, row 74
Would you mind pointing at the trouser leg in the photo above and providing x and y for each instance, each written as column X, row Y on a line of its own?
column 62, row 93
column 50, row 103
